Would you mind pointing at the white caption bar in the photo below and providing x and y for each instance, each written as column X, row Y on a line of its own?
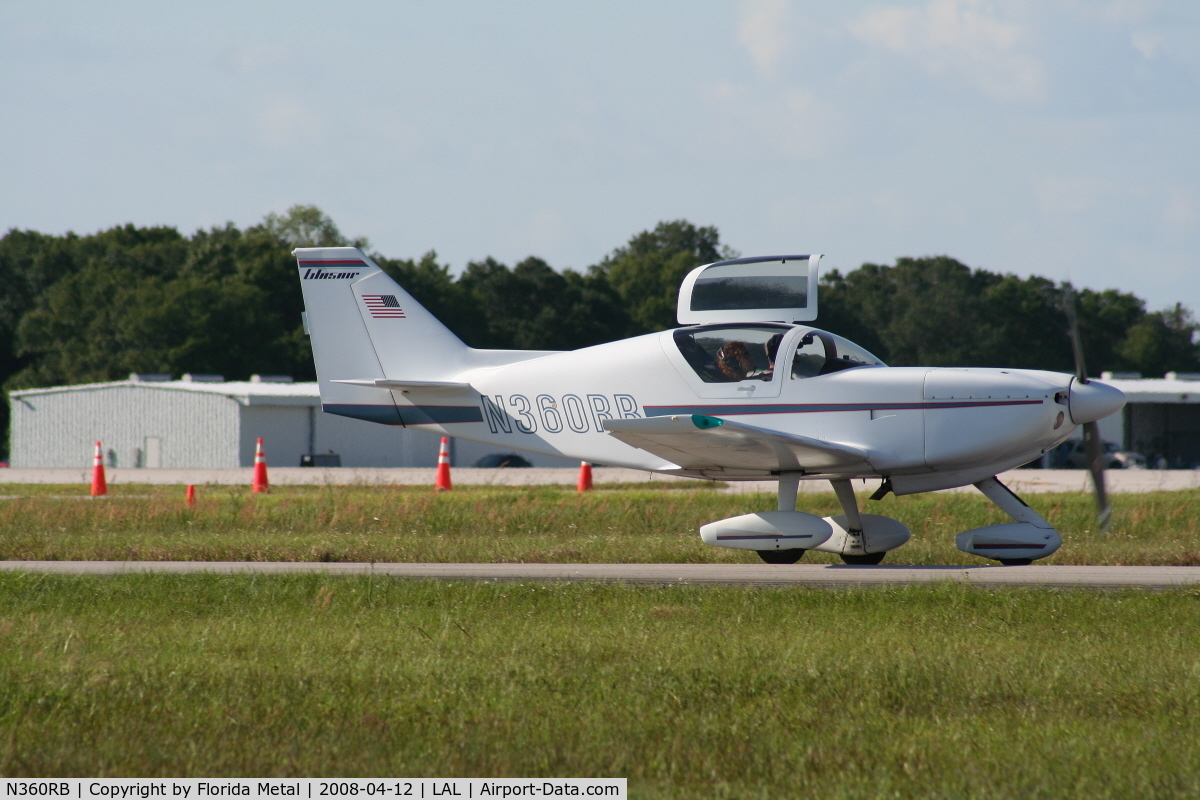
column 318, row 788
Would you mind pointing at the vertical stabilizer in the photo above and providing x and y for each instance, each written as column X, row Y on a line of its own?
column 363, row 326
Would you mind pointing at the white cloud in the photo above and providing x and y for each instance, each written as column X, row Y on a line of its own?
column 1182, row 213
column 1121, row 12
column 762, row 30
column 1148, row 44
column 960, row 40
column 25, row 32
column 1058, row 196
column 794, row 122
column 288, row 123
column 256, row 58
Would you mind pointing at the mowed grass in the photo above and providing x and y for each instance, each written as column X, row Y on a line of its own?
column 943, row 691
column 531, row 524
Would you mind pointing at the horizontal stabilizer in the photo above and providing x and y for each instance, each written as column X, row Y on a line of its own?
column 700, row 442
column 429, row 386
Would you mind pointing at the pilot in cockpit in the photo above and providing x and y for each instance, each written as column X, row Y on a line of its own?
column 772, row 349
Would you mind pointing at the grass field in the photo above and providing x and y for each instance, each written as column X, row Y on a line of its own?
column 529, row 524
column 689, row 692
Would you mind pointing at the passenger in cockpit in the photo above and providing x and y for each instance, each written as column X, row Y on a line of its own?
column 734, row 361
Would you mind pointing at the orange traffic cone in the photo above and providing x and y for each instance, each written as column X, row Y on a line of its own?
column 585, row 476
column 99, row 484
column 260, row 469
column 442, row 483
column 189, row 499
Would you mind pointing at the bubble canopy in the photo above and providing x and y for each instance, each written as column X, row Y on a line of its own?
column 761, row 289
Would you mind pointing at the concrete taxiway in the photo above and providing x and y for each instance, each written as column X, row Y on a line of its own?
column 827, row 576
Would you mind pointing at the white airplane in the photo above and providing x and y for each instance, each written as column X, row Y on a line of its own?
column 745, row 390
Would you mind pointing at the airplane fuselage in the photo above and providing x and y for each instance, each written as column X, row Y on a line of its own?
column 914, row 421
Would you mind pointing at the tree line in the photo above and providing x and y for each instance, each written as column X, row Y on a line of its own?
column 80, row 309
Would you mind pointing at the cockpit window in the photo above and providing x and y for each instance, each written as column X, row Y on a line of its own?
column 821, row 353
column 731, row 353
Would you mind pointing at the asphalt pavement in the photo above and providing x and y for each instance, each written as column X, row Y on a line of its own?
column 828, row 576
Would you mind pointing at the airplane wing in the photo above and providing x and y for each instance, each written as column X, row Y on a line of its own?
column 701, row 442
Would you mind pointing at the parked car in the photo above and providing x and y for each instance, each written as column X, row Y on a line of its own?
column 321, row 460
column 502, row 460
column 1072, row 455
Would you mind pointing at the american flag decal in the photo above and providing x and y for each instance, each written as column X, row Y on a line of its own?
column 383, row 306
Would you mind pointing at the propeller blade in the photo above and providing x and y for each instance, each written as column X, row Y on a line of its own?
column 1073, row 331
column 1094, row 450
column 1093, row 445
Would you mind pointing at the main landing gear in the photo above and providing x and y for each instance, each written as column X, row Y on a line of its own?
column 864, row 558
column 789, row 484
column 782, row 556
column 859, row 539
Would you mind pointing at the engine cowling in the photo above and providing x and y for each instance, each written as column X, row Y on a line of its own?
column 1015, row 541
column 768, row 530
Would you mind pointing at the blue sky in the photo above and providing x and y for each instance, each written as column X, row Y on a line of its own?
column 1056, row 138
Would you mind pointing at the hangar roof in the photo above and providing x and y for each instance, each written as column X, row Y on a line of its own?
column 1157, row 390
column 245, row 392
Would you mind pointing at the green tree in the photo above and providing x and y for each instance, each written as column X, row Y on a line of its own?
column 135, row 299
column 926, row 311
column 227, row 302
column 103, row 323
column 31, row 263
column 646, row 272
column 531, row 306
column 936, row 311
column 1161, row 342
column 308, row 226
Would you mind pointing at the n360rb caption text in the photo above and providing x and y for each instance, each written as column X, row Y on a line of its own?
column 417, row 788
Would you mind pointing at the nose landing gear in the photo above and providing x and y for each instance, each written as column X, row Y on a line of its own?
column 1011, row 543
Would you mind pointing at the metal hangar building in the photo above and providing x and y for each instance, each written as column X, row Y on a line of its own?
column 1161, row 419
column 204, row 422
